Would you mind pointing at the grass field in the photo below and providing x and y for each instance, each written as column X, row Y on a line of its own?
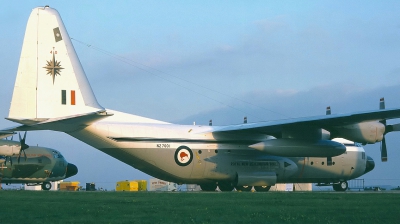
column 197, row 207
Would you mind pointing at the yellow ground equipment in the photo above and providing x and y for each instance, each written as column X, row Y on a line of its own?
column 142, row 185
column 69, row 186
column 127, row 185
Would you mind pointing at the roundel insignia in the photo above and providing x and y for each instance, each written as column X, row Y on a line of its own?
column 183, row 156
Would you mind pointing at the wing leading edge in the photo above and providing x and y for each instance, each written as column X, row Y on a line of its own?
column 324, row 121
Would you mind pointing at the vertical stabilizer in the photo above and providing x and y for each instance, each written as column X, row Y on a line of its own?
column 50, row 81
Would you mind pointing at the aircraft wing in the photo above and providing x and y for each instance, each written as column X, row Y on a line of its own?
column 325, row 122
column 4, row 134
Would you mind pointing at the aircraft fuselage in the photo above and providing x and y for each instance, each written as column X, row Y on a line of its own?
column 194, row 154
column 41, row 165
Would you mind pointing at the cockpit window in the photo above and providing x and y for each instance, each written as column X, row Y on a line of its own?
column 57, row 154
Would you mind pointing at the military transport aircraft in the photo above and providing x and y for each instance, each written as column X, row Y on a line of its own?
column 37, row 166
column 52, row 93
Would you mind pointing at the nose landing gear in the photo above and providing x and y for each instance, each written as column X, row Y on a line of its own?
column 341, row 186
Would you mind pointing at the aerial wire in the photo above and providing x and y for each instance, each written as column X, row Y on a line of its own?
column 135, row 64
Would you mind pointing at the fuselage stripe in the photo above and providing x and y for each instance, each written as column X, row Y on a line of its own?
column 124, row 139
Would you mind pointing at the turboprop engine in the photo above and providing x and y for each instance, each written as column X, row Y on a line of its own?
column 300, row 148
column 9, row 147
column 364, row 132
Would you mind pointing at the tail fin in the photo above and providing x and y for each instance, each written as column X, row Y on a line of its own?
column 50, row 81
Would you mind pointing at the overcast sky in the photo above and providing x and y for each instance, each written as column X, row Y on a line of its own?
column 183, row 62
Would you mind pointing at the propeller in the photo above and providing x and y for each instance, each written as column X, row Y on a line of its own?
column 24, row 146
column 388, row 128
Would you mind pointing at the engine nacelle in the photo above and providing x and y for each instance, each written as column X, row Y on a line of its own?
column 256, row 179
column 9, row 148
column 364, row 132
column 300, row 148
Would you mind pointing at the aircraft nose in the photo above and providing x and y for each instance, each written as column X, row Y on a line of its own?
column 71, row 170
column 370, row 165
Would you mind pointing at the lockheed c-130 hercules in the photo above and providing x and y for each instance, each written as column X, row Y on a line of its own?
column 52, row 93
column 31, row 165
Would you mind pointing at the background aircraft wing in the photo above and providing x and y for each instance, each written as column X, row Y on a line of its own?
column 325, row 121
column 4, row 134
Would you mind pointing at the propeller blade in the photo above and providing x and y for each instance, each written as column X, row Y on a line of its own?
column 392, row 127
column 25, row 155
column 19, row 155
column 388, row 128
column 383, row 150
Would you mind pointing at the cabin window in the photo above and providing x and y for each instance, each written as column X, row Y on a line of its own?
column 216, row 151
column 312, row 163
column 322, row 163
column 199, row 151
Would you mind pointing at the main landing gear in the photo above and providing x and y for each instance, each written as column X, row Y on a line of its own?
column 208, row 187
column 262, row 188
column 243, row 188
column 226, row 186
column 341, row 186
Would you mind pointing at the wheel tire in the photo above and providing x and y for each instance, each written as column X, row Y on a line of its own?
column 341, row 186
column 262, row 188
column 46, row 186
column 226, row 186
column 243, row 188
column 208, row 187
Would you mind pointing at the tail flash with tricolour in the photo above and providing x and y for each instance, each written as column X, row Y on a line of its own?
column 50, row 81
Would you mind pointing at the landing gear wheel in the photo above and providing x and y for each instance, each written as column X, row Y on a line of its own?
column 225, row 186
column 341, row 186
column 243, row 188
column 208, row 187
column 262, row 188
column 46, row 186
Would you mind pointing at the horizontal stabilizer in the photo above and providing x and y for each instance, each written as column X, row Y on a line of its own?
column 63, row 124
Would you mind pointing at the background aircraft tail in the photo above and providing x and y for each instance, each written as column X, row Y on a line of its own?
column 50, row 81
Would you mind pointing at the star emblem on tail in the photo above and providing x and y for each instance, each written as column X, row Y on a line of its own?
column 53, row 67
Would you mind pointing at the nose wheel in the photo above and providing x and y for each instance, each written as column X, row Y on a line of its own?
column 341, row 186
column 46, row 186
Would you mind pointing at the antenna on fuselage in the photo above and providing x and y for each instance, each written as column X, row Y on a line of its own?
column 328, row 110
